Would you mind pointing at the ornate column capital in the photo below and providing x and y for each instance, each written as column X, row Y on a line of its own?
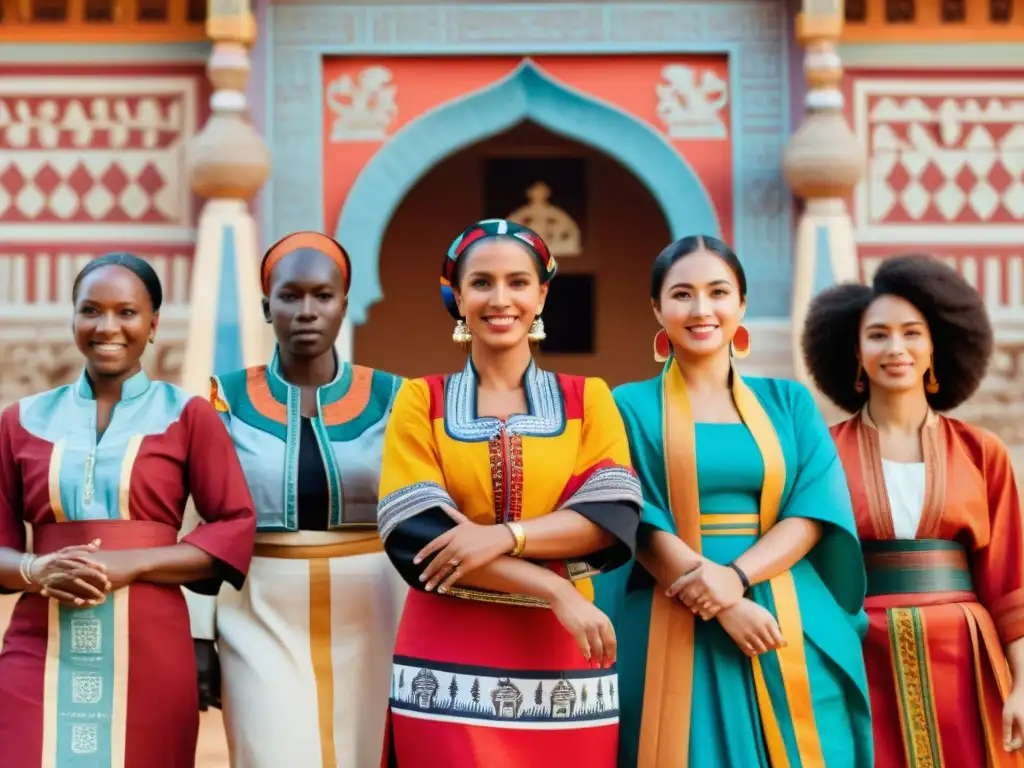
column 822, row 164
column 823, row 159
column 228, row 158
column 231, row 21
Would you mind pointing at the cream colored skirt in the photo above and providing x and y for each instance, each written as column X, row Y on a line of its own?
column 305, row 653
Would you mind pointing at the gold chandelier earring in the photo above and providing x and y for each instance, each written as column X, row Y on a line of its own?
column 462, row 334
column 931, row 384
column 536, row 333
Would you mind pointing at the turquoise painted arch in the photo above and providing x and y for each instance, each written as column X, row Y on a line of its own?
column 527, row 94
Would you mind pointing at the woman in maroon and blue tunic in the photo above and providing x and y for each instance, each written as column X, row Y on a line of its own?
column 97, row 667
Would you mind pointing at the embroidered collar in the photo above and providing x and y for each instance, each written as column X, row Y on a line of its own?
column 544, row 402
column 131, row 388
column 327, row 394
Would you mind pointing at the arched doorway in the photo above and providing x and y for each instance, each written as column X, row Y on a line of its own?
column 623, row 228
column 529, row 93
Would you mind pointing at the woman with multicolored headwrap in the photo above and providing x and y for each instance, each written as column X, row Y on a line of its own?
column 304, row 650
column 504, row 488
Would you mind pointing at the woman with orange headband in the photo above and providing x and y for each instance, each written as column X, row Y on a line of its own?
column 305, row 652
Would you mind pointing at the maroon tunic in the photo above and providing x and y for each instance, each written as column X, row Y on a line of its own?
column 113, row 686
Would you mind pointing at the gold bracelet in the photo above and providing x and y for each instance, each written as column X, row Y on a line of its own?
column 520, row 536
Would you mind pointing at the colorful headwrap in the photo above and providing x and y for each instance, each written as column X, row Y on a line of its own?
column 316, row 241
column 480, row 231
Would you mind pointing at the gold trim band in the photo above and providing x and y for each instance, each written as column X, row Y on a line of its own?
column 320, row 552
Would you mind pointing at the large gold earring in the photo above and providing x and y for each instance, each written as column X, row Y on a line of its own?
column 858, row 382
column 536, row 333
column 462, row 334
column 931, row 384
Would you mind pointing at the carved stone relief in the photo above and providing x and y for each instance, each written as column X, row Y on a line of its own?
column 35, row 365
column 690, row 103
column 104, row 150
column 364, row 105
column 753, row 33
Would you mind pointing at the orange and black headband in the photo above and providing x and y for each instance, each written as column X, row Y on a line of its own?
column 297, row 241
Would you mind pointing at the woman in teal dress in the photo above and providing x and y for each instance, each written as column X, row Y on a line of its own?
column 740, row 625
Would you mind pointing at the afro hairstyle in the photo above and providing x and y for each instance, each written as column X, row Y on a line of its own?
column 956, row 316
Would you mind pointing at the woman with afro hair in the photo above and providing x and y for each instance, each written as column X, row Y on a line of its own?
column 937, row 510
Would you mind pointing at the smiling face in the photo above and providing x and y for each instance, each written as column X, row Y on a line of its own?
column 895, row 344
column 700, row 305
column 307, row 303
column 114, row 320
column 499, row 292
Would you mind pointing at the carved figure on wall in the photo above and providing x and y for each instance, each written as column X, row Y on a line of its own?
column 82, row 118
column 553, row 224
column 364, row 106
column 690, row 107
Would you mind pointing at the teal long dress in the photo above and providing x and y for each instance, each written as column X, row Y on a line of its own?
column 725, row 727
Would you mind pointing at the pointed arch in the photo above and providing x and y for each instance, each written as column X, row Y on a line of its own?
column 527, row 93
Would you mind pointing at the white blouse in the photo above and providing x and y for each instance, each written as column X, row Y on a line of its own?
column 905, row 486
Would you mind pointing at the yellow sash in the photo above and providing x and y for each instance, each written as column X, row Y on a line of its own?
column 668, row 695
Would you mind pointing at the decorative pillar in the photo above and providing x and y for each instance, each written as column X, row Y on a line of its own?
column 822, row 164
column 228, row 164
column 346, row 342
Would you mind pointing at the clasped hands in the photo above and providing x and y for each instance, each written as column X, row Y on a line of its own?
column 713, row 591
column 461, row 551
column 81, row 575
column 469, row 546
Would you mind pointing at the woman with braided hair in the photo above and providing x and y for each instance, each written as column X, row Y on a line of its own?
column 938, row 513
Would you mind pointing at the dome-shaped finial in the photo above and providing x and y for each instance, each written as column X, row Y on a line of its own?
column 823, row 158
column 228, row 158
column 822, row 164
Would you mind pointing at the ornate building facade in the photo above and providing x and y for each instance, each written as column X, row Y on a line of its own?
column 613, row 126
column 196, row 136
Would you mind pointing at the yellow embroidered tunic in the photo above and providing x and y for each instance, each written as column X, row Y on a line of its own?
column 515, row 683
